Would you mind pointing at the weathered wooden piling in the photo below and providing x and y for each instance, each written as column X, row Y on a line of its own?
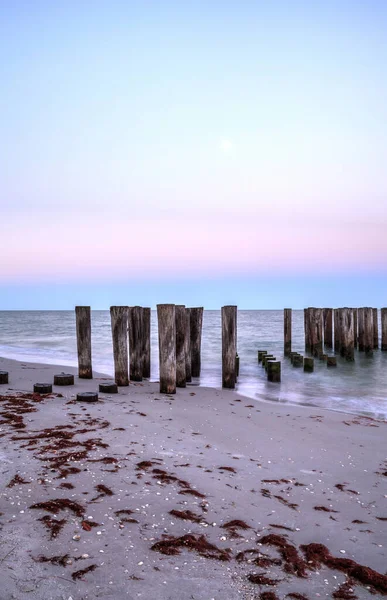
column 360, row 329
column 383, row 319
column 331, row 361
column 229, row 346
column 274, row 371
column 188, row 374
column 146, row 331
column 355, row 335
column 108, row 387
column 328, row 327
column 316, row 334
column 83, row 327
column 166, row 317
column 347, row 343
column 261, row 353
column 196, row 317
column 42, row 388
column 237, row 362
column 308, row 364
column 64, row 379
column 180, row 318
column 269, row 360
column 287, row 331
column 266, row 357
column 136, row 342
column 376, row 327
column 3, row 377
column 337, row 330
column 119, row 324
column 368, row 332
column 298, row 360
column 307, row 329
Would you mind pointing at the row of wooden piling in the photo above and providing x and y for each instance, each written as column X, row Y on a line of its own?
column 343, row 329
column 180, row 333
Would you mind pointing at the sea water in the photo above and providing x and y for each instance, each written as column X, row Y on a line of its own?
column 359, row 387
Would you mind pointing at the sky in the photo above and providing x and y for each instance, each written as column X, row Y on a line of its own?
column 193, row 152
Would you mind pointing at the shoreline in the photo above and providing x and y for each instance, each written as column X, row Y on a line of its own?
column 212, row 457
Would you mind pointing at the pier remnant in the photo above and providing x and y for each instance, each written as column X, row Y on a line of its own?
column 64, row 379
column 297, row 360
column 337, row 332
column 136, row 342
column 347, row 345
column 109, row 387
column 274, row 371
column 355, row 335
column 383, row 314
column 187, row 341
column 83, row 327
column 287, row 331
column 87, row 397
column 180, row 317
column 3, row 377
column 307, row 329
column 229, row 346
column 166, row 316
column 308, row 365
column 360, row 329
column 196, row 319
column 376, row 327
column 119, row 324
column 368, row 331
column 331, row 361
column 328, row 327
column 43, row 388
column 315, row 327
column 146, row 331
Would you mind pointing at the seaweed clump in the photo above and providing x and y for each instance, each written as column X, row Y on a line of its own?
column 54, row 506
column 173, row 545
column 293, row 563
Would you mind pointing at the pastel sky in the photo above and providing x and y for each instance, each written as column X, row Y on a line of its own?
column 151, row 149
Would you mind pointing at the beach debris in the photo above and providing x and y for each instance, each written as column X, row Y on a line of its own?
column 79, row 574
column 173, row 546
column 294, row 564
column 55, row 506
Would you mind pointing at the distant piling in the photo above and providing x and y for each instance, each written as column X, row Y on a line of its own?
column 328, row 327
column 376, row 327
column 347, row 345
column 337, row 332
column 287, row 331
column 188, row 373
column 146, row 338
column 83, row 327
column 166, row 317
column 308, row 364
column 355, row 334
column 360, row 329
column 368, row 332
column 307, row 329
column 229, row 346
column 331, row 361
column 119, row 324
column 316, row 335
column 383, row 315
column 196, row 316
column 136, row 343
column 274, row 371
column 180, row 319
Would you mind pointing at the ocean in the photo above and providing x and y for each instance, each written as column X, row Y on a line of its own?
column 359, row 387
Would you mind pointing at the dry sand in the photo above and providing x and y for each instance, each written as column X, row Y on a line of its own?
column 299, row 475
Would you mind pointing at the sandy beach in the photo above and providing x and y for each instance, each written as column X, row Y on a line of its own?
column 204, row 495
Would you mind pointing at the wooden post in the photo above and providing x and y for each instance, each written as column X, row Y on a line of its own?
column 166, row 317
column 146, row 330
column 316, row 337
column 261, row 353
column 196, row 316
column 383, row 313
column 274, row 371
column 355, row 336
column 368, row 332
column 337, row 332
column 328, row 327
column 347, row 334
column 331, row 361
column 307, row 329
column 181, row 321
column 298, row 360
column 83, row 326
column 269, row 360
column 308, row 365
column 287, row 331
column 360, row 325
column 376, row 328
column 136, row 342
column 119, row 322
column 188, row 373
column 229, row 346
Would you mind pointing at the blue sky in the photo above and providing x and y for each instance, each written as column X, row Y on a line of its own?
column 158, row 147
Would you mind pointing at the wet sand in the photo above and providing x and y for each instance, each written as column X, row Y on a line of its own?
column 197, row 496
